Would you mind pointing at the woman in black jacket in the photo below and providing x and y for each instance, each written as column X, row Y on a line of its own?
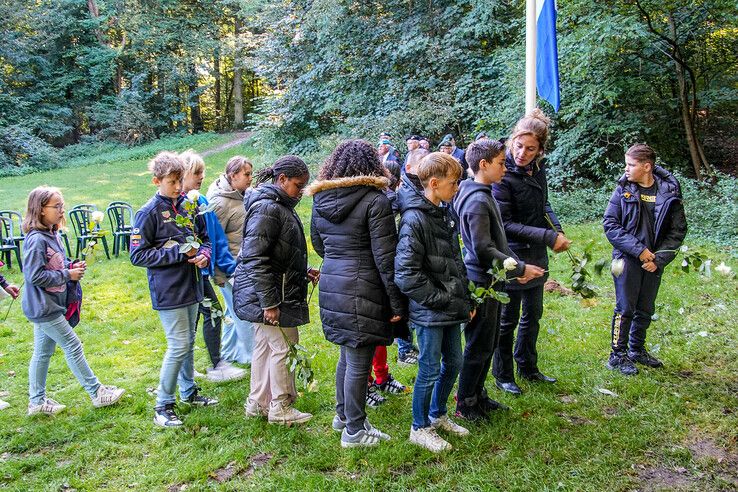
column 531, row 226
column 271, row 286
column 353, row 229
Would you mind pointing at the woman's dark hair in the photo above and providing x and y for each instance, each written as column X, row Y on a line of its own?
column 289, row 165
column 482, row 149
column 353, row 158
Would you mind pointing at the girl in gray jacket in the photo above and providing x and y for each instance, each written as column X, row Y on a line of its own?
column 48, row 276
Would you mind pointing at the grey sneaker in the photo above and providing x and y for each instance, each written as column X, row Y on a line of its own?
column 47, row 407
column 166, row 417
column 338, row 424
column 107, row 395
column 363, row 438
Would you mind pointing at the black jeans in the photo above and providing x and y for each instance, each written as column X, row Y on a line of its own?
column 352, row 373
column 525, row 352
column 635, row 294
column 481, row 335
column 211, row 327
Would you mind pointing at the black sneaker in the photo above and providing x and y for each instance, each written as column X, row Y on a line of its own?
column 407, row 359
column 165, row 416
column 472, row 413
column 644, row 358
column 487, row 404
column 621, row 362
column 373, row 398
column 391, row 385
column 198, row 400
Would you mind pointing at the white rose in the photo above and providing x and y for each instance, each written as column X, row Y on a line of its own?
column 193, row 196
column 97, row 216
column 509, row 264
column 723, row 268
column 617, row 267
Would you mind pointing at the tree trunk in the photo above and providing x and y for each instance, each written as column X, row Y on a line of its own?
column 194, row 102
column 688, row 108
column 237, row 88
column 216, row 68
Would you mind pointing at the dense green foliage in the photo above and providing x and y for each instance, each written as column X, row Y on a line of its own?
column 362, row 67
column 127, row 71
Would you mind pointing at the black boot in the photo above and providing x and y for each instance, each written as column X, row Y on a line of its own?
column 510, row 387
column 469, row 409
column 620, row 362
column 643, row 357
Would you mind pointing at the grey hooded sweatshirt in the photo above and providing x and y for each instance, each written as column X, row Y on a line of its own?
column 46, row 272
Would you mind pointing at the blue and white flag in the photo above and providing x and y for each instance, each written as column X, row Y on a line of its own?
column 547, row 54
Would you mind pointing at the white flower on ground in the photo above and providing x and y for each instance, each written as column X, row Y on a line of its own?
column 723, row 268
column 617, row 266
column 97, row 216
column 193, row 196
column 509, row 264
column 684, row 248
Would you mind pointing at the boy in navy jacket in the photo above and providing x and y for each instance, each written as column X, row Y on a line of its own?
column 175, row 282
column 645, row 223
column 483, row 235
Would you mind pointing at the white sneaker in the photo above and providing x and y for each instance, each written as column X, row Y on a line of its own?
column 445, row 424
column 339, row 425
column 48, row 407
column 4, row 404
column 284, row 414
column 225, row 372
column 254, row 409
column 427, row 438
column 197, row 374
column 107, row 395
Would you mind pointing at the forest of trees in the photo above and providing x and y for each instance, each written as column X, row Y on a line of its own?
column 298, row 71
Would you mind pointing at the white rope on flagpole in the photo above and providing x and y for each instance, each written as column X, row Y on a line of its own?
column 530, row 55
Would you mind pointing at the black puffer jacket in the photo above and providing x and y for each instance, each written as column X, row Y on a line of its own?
column 272, row 266
column 353, row 229
column 523, row 202
column 428, row 265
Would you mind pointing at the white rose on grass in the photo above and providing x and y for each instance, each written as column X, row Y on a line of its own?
column 723, row 268
column 97, row 216
column 509, row 264
column 193, row 196
column 617, row 266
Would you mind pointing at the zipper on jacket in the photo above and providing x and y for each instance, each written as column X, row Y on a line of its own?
column 284, row 280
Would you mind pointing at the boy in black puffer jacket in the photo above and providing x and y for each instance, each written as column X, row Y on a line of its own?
column 429, row 270
column 645, row 223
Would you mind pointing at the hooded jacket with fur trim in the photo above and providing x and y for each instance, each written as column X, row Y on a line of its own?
column 353, row 230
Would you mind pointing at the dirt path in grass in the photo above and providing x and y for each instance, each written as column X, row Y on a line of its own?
column 238, row 139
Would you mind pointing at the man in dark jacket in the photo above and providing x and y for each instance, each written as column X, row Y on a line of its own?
column 646, row 225
column 448, row 146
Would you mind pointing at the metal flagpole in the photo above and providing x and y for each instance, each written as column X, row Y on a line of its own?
column 530, row 55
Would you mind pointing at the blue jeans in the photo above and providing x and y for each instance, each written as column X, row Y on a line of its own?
column 438, row 366
column 237, row 341
column 405, row 345
column 178, row 366
column 46, row 336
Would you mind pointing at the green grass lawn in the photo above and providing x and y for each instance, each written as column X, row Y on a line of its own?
column 674, row 428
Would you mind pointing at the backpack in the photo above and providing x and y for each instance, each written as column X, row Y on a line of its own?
column 74, row 302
